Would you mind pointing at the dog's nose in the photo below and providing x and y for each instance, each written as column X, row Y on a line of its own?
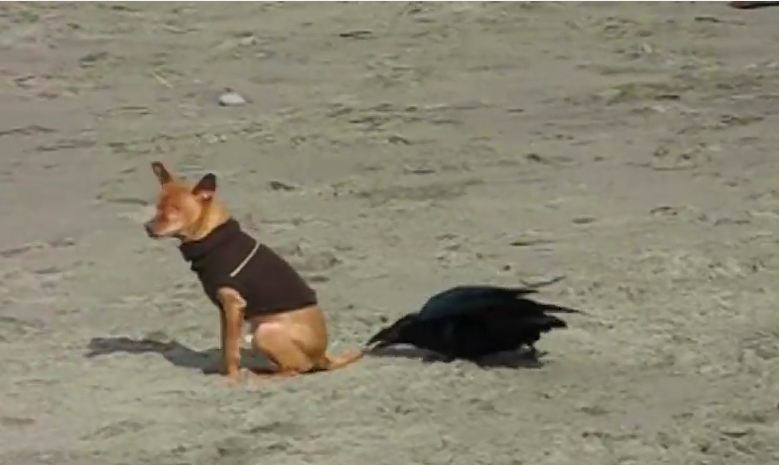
column 149, row 230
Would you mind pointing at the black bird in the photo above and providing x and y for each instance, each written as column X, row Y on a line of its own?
column 471, row 322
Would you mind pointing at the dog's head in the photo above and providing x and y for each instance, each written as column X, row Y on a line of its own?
column 180, row 206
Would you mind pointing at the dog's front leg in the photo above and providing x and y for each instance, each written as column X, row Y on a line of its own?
column 222, row 328
column 231, row 314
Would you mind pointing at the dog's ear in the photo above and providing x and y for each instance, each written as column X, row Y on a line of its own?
column 206, row 187
column 161, row 172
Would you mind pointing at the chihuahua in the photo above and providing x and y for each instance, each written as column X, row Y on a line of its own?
column 246, row 280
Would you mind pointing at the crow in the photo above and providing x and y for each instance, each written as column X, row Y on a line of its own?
column 471, row 322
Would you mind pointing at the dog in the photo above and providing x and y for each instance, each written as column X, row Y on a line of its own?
column 246, row 280
column 473, row 322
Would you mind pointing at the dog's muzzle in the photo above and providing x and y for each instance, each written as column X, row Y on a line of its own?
column 149, row 229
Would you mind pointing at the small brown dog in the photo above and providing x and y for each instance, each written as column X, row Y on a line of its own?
column 246, row 280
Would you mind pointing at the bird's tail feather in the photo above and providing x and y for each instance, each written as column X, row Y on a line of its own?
column 551, row 308
column 545, row 322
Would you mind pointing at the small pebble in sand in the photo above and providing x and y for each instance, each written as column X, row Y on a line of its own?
column 583, row 220
column 231, row 99
column 247, row 40
column 281, row 186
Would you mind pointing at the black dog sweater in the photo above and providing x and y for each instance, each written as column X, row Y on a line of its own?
column 228, row 257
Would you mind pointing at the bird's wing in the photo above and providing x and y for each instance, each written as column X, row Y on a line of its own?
column 463, row 300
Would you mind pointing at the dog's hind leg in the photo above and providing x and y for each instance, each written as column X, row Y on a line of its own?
column 296, row 342
column 274, row 341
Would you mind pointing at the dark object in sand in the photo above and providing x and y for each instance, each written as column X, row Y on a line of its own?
column 471, row 322
column 751, row 5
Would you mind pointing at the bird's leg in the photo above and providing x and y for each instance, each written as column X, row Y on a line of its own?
column 532, row 352
column 437, row 357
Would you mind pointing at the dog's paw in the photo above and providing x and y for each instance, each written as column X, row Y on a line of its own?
column 235, row 379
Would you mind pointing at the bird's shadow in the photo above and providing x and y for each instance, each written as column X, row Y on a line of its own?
column 208, row 361
column 511, row 359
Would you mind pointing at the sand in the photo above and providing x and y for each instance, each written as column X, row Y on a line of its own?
column 626, row 152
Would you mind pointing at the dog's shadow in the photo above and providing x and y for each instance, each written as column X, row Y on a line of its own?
column 208, row 361
column 514, row 359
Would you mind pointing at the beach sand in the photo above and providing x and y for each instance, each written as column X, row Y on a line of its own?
column 623, row 152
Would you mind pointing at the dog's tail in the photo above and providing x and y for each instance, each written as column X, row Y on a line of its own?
column 329, row 362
